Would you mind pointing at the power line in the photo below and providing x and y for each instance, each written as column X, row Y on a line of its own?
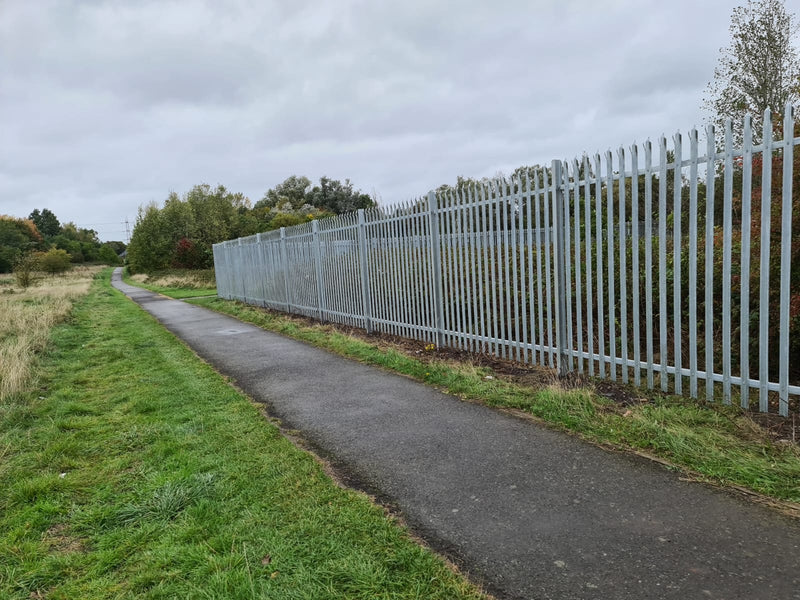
column 106, row 232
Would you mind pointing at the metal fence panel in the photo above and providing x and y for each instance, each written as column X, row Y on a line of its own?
column 555, row 267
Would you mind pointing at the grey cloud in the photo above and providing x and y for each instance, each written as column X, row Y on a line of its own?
column 105, row 105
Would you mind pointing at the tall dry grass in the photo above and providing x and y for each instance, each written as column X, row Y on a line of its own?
column 178, row 279
column 26, row 318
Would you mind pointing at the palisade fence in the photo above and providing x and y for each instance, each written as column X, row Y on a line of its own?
column 673, row 271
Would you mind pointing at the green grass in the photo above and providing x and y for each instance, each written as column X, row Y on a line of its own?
column 715, row 443
column 135, row 471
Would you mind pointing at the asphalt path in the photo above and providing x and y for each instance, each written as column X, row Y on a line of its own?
column 525, row 511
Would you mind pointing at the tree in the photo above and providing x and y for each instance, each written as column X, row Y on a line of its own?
column 81, row 244
column 108, row 255
column 178, row 218
column 17, row 236
column 54, row 261
column 183, row 231
column 24, row 269
column 285, row 219
column 117, row 246
column 293, row 190
column 214, row 211
column 187, row 256
column 331, row 195
column 150, row 249
column 79, row 234
column 759, row 70
column 46, row 222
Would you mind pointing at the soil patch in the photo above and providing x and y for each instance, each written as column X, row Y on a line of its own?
column 58, row 539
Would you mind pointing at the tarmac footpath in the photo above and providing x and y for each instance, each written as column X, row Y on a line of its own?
column 525, row 511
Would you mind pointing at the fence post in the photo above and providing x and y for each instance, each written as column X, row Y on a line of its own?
column 239, row 271
column 217, row 271
column 366, row 298
column 436, row 260
column 786, row 258
column 261, row 269
column 285, row 266
column 318, row 269
column 560, row 268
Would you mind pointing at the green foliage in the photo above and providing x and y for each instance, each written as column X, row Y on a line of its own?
column 8, row 255
column 214, row 212
column 17, row 237
column 43, row 231
column 72, row 232
column 760, row 68
column 150, row 247
column 72, row 247
column 46, row 222
column 177, row 218
column 183, row 231
column 24, row 269
column 295, row 196
column 336, row 197
column 331, row 196
column 108, row 255
column 287, row 220
column 292, row 191
column 203, row 217
column 54, row 261
column 117, row 247
column 774, row 242
column 83, row 245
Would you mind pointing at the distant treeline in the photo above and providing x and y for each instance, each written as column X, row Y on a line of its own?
column 181, row 232
column 42, row 231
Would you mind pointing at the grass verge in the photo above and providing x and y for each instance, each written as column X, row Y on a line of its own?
column 176, row 283
column 717, row 444
column 28, row 314
column 136, row 471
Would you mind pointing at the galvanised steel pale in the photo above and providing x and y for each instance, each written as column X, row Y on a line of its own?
column 536, row 268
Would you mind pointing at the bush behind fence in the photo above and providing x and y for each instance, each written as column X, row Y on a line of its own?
column 680, row 271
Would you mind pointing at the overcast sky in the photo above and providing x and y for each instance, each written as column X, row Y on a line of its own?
column 107, row 105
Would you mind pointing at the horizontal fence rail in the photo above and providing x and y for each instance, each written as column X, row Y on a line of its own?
column 671, row 267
